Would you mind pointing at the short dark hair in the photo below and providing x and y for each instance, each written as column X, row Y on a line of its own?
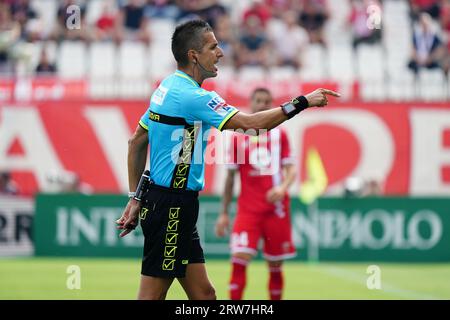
column 187, row 36
column 260, row 89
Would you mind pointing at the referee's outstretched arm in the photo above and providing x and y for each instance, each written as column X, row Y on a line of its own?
column 270, row 119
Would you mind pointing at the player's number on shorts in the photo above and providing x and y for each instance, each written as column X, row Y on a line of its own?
column 239, row 239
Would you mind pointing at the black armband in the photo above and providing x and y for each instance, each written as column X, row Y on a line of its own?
column 143, row 185
column 294, row 106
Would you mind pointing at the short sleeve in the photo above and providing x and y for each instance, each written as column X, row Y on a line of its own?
column 286, row 157
column 143, row 122
column 210, row 108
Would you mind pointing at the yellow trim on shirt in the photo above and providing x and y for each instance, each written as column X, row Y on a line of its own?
column 142, row 124
column 187, row 77
column 232, row 113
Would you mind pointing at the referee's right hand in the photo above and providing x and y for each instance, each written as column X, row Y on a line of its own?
column 129, row 219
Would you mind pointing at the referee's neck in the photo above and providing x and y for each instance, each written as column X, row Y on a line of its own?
column 189, row 70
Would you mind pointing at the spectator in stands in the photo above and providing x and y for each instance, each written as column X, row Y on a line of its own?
column 290, row 40
column 32, row 26
column 211, row 11
column 105, row 26
column 22, row 12
column 372, row 187
column 66, row 182
column 188, row 10
column 428, row 49
column 429, row 6
column 259, row 10
column 7, row 185
column 45, row 67
column 313, row 15
column 208, row 10
column 253, row 45
column 355, row 187
column 65, row 16
column 162, row 9
column 73, row 184
column 358, row 20
column 9, row 37
column 445, row 25
column 278, row 7
column 132, row 23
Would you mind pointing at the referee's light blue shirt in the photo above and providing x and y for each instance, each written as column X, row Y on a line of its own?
column 180, row 96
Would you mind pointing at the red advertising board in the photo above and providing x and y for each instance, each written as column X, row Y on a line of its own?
column 406, row 146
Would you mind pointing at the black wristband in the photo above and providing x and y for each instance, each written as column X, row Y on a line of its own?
column 142, row 187
column 294, row 106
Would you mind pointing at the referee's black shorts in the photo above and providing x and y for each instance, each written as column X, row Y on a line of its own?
column 168, row 219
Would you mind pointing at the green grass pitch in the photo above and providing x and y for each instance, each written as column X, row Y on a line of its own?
column 45, row 278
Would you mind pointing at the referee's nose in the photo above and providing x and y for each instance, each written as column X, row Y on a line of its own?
column 219, row 52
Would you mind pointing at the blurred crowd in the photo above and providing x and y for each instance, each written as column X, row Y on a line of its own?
column 431, row 35
column 7, row 185
column 268, row 33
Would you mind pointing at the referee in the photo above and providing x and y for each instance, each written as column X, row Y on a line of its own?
column 180, row 112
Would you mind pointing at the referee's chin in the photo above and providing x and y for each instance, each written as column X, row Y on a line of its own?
column 211, row 74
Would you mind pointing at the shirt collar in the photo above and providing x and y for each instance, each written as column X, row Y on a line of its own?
column 184, row 75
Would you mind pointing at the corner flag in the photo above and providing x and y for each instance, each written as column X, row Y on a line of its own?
column 317, row 178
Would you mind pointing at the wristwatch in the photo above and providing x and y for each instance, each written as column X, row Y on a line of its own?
column 296, row 105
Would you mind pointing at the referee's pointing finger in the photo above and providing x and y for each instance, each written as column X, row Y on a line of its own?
column 331, row 93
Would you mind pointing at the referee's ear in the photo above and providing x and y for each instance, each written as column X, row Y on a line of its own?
column 192, row 56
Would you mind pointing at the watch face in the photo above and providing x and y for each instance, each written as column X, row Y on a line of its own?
column 289, row 107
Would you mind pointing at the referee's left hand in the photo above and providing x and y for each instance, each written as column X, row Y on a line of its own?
column 129, row 219
column 318, row 98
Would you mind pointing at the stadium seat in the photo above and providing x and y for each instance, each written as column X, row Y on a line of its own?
column 254, row 73
column 72, row 59
column 132, row 59
column 336, row 31
column 46, row 11
column 102, row 71
column 161, row 61
column 373, row 90
column 314, row 63
column 447, row 89
column 401, row 85
column 397, row 29
column 401, row 41
column 432, row 84
column 401, row 82
column 396, row 60
column 370, row 62
column 281, row 73
column 371, row 71
column 226, row 73
column 395, row 8
column 102, row 60
column 134, row 89
column 341, row 63
column 237, row 8
column 161, row 31
column 36, row 51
